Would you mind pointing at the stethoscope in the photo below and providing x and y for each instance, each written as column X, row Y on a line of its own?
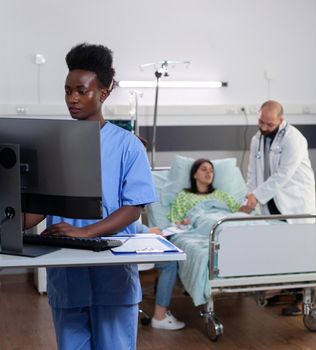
column 278, row 140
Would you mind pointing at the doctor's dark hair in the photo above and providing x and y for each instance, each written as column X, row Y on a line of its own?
column 194, row 169
column 94, row 58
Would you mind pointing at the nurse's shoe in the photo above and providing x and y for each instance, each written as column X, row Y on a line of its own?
column 169, row 323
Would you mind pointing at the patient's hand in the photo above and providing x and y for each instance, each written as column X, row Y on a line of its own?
column 250, row 203
column 183, row 222
column 155, row 230
column 245, row 209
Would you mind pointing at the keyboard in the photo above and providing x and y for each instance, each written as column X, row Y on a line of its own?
column 95, row 244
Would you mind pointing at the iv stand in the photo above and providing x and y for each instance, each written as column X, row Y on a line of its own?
column 158, row 75
column 162, row 71
column 134, row 110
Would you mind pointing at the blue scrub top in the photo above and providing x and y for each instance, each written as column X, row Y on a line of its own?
column 126, row 180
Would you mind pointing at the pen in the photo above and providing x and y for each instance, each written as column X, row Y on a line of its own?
column 149, row 250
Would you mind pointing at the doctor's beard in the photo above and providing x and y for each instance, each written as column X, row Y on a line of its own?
column 269, row 133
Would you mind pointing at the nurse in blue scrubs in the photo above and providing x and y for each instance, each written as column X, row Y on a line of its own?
column 97, row 307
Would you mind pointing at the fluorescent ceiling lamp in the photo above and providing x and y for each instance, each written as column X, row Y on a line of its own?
column 171, row 84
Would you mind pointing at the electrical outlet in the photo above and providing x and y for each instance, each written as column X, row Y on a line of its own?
column 21, row 110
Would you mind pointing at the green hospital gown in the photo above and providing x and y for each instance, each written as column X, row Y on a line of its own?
column 185, row 201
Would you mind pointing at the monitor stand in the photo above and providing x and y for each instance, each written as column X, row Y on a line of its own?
column 31, row 250
column 11, row 236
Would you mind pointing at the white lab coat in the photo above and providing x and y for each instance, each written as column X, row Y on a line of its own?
column 292, row 182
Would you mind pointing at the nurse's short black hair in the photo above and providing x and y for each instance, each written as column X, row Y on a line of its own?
column 94, row 58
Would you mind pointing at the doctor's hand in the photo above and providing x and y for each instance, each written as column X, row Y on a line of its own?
column 66, row 230
column 250, row 204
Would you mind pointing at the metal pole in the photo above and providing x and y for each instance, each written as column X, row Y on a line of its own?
column 136, row 125
column 153, row 149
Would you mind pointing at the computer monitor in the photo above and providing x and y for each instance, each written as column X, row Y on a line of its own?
column 47, row 166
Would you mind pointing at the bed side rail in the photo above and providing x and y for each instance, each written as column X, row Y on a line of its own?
column 213, row 237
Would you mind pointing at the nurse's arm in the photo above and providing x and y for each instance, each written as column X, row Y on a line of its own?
column 31, row 220
column 114, row 223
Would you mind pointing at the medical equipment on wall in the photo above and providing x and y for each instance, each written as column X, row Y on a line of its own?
column 277, row 148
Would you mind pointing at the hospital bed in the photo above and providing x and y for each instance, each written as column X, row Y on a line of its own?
column 252, row 254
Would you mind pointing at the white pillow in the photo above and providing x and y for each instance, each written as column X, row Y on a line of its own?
column 157, row 212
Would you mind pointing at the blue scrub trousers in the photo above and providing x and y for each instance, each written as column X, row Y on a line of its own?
column 96, row 327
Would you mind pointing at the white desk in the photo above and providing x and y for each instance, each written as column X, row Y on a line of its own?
column 77, row 257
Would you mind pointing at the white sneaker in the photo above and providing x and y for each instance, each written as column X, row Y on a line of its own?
column 169, row 322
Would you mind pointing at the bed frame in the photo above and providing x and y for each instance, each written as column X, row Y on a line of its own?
column 269, row 258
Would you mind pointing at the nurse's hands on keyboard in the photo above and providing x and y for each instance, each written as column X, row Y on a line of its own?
column 64, row 229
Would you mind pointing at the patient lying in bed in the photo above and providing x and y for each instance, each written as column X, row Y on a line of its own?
column 218, row 193
column 201, row 189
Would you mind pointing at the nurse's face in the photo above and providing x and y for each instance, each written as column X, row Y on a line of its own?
column 269, row 120
column 84, row 96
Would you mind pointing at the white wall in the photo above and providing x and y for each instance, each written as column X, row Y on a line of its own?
column 243, row 42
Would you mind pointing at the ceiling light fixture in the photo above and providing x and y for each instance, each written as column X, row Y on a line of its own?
column 171, row 84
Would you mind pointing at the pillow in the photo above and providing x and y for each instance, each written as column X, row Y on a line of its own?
column 156, row 212
column 179, row 177
column 236, row 186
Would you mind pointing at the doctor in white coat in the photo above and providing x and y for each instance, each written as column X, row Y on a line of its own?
column 280, row 177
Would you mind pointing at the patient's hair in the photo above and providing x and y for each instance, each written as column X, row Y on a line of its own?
column 93, row 58
column 194, row 169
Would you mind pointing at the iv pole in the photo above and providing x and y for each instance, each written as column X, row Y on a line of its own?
column 134, row 110
column 162, row 71
column 158, row 75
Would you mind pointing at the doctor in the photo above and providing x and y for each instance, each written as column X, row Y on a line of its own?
column 280, row 177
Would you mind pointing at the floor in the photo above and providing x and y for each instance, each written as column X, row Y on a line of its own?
column 25, row 322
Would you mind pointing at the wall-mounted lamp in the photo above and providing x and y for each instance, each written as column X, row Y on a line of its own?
column 171, row 84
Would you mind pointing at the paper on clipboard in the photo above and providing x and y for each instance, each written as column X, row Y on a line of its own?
column 172, row 230
column 146, row 245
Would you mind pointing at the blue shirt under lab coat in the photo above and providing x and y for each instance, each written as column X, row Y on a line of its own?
column 126, row 180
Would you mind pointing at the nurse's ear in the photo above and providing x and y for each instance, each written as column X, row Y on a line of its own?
column 104, row 94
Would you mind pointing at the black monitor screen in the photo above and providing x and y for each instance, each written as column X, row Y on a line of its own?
column 59, row 165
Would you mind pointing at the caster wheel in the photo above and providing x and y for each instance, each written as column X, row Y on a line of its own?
column 262, row 301
column 145, row 321
column 310, row 321
column 214, row 328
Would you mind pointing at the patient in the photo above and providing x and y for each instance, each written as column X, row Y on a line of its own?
column 201, row 179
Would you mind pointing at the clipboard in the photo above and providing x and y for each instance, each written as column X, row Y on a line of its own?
column 146, row 245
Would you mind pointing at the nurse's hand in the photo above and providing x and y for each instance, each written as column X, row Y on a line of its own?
column 66, row 230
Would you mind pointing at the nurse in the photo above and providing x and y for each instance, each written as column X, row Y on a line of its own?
column 280, row 177
column 97, row 307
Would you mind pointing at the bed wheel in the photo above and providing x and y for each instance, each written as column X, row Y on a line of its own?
column 214, row 328
column 144, row 317
column 262, row 300
column 145, row 321
column 310, row 320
